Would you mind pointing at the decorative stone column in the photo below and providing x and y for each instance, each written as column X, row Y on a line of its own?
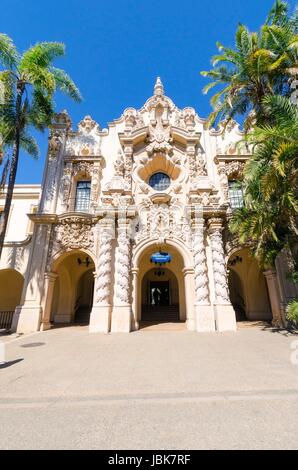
column 135, row 313
column 188, row 274
column 203, row 310
column 100, row 318
column 28, row 315
column 274, row 296
column 224, row 313
column 121, row 317
column 50, row 279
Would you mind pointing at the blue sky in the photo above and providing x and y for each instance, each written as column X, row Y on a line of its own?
column 115, row 50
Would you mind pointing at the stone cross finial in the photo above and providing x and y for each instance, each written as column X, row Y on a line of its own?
column 158, row 88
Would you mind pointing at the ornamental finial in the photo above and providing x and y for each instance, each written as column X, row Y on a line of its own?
column 158, row 88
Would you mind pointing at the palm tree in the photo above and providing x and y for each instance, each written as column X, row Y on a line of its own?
column 269, row 219
column 29, row 82
column 258, row 66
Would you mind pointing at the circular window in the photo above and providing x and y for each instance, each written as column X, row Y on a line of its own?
column 159, row 181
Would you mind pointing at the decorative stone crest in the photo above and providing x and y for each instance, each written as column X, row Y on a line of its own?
column 87, row 125
column 75, row 232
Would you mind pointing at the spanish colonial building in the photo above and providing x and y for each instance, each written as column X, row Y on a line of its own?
column 130, row 226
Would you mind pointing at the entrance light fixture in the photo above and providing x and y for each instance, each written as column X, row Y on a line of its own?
column 86, row 261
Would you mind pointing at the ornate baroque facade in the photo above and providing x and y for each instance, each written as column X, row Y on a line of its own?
column 105, row 235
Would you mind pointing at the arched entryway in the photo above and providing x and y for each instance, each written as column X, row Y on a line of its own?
column 11, row 286
column 163, row 293
column 160, row 296
column 73, row 291
column 247, row 286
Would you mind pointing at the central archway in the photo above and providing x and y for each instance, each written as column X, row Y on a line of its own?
column 160, row 296
column 169, row 286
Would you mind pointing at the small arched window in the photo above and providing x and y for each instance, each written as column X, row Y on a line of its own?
column 83, row 192
column 159, row 181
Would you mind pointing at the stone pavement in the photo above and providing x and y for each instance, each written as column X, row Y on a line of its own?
column 152, row 389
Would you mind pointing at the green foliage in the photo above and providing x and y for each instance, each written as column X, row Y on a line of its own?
column 34, row 73
column 269, row 219
column 292, row 311
column 259, row 65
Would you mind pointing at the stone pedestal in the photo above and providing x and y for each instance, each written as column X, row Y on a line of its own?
column 121, row 319
column 100, row 319
column 205, row 322
column 225, row 319
column 27, row 319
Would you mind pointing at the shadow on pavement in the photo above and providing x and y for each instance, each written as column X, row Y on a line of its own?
column 10, row 363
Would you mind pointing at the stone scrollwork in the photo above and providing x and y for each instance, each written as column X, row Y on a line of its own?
column 218, row 260
column 75, row 232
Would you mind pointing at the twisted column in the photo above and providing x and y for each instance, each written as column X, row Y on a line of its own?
column 215, row 229
column 123, row 260
column 200, row 264
column 103, row 285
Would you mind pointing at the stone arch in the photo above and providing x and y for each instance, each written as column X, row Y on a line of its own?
column 69, row 302
column 11, row 287
column 247, row 282
column 181, row 266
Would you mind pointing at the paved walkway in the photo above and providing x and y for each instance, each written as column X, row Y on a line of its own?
column 151, row 389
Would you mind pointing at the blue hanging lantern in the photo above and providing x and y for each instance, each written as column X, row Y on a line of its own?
column 161, row 257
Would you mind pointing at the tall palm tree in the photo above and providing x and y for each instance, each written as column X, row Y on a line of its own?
column 269, row 219
column 29, row 82
column 258, row 66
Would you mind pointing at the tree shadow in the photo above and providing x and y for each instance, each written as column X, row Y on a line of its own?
column 10, row 363
column 290, row 331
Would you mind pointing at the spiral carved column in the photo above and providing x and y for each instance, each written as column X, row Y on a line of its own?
column 122, row 312
column 103, row 284
column 200, row 264
column 224, row 312
column 100, row 319
column 203, row 310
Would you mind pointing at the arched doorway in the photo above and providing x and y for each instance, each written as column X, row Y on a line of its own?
column 176, row 292
column 73, row 291
column 11, row 286
column 247, row 286
column 160, row 296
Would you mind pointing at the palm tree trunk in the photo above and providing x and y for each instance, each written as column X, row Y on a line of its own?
column 13, row 166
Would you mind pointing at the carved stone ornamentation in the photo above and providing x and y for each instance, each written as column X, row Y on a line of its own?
column 55, row 144
column 83, row 168
column 218, row 261
column 200, row 265
column 103, row 284
column 189, row 115
column 160, row 139
column 87, row 125
column 123, row 261
column 119, row 164
column 75, row 232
